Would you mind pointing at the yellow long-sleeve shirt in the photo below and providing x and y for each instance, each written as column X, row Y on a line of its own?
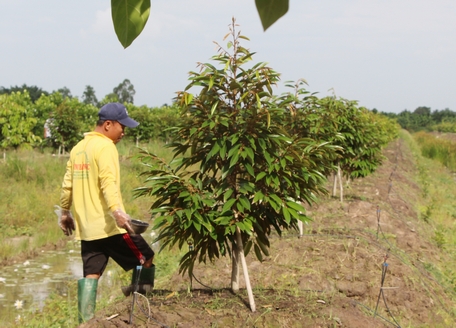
column 92, row 186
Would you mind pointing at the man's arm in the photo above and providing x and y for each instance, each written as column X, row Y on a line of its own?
column 66, row 221
column 109, row 176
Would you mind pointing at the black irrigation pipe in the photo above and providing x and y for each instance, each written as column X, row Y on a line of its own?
column 372, row 312
column 381, row 293
column 149, row 316
column 386, row 250
column 193, row 275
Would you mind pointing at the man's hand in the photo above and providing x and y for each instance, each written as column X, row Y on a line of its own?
column 123, row 221
column 66, row 222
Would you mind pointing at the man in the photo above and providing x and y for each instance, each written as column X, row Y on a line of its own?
column 91, row 186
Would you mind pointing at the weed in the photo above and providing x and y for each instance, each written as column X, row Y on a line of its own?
column 440, row 239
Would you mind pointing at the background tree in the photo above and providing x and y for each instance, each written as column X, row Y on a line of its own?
column 364, row 136
column 155, row 123
column 65, row 92
column 237, row 174
column 125, row 92
column 43, row 108
column 33, row 91
column 110, row 97
column 422, row 110
column 89, row 97
column 67, row 126
column 447, row 115
column 17, row 121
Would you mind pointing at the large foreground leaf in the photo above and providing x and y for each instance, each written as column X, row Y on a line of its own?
column 129, row 18
column 270, row 11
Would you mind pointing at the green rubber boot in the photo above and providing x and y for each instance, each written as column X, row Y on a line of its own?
column 145, row 283
column 87, row 298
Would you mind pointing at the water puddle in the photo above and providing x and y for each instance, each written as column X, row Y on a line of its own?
column 27, row 285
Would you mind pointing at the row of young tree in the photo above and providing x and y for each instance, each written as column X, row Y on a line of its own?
column 246, row 160
column 423, row 118
column 124, row 93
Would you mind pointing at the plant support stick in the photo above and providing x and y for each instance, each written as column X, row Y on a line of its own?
column 244, row 268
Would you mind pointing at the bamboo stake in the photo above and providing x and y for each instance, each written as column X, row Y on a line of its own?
column 244, row 269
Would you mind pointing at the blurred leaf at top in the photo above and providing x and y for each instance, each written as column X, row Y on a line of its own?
column 270, row 11
column 129, row 18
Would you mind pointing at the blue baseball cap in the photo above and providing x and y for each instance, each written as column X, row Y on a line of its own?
column 117, row 112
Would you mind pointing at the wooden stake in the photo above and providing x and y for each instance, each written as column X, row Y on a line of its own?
column 244, row 269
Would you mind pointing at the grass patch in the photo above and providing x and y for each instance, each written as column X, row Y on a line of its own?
column 32, row 181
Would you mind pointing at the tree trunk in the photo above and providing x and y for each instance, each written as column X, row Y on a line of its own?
column 334, row 184
column 240, row 246
column 235, row 269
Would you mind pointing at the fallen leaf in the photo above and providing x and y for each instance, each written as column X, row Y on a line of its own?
column 210, row 311
column 170, row 295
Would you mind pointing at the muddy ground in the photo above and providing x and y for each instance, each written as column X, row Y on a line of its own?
column 332, row 276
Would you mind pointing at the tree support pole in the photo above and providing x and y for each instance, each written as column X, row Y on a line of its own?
column 244, row 269
column 341, row 187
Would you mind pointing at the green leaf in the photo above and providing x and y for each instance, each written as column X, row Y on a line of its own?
column 214, row 107
column 245, row 202
column 263, row 247
column 197, row 225
column 250, row 153
column 270, row 11
column 240, row 207
column 223, row 151
column 249, row 169
column 234, row 159
column 258, row 196
column 258, row 253
column 260, row 176
column 227, row 194
column 296, row 206
column 276, row 198
column 274, row 205
column 234, row 150
column 248, row 247
column 129, row 18
column 227, row 206
column 286, row 214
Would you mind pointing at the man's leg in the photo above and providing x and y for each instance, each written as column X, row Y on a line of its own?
column 129, row 252
column 94, row 263
column 87, row 298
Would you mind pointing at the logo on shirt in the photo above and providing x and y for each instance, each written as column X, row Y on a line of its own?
column 81, row 171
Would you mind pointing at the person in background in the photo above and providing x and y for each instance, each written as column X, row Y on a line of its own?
column 91, row 188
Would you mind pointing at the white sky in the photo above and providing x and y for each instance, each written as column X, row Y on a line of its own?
column 390, row 54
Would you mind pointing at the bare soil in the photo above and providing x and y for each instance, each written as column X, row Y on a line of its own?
column 332, row 276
